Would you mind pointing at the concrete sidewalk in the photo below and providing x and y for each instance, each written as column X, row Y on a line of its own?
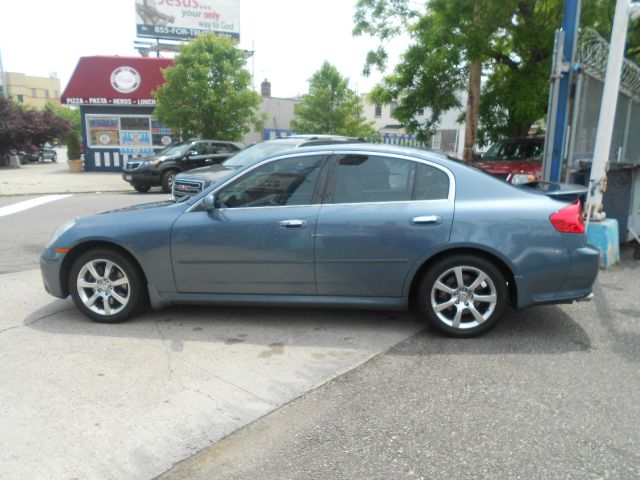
column 47, row 178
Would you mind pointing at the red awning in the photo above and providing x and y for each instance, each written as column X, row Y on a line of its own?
column 120, row 81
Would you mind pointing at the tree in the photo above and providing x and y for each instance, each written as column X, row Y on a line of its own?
column 208, row 91
column 21, row 128
column 71, row 114
column 512, row 39
column 331, row 107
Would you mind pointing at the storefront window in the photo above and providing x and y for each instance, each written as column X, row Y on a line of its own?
column 127, row 132
column 102, row 131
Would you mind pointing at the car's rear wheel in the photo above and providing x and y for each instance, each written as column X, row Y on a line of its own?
column 142, row 188
column 54, row 159
column 463, row 295
column 107, row 286
column 167, row 180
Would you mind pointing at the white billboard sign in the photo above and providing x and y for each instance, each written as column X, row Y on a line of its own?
column 184, row 19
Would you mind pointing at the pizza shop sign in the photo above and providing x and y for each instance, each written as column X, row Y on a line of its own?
column 146, row 102
column 125, row 80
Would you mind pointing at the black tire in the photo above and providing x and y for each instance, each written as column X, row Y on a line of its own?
column 114, row 310
column 462, row 314
column 142, row 188
column 54, row 159
column 167, row 180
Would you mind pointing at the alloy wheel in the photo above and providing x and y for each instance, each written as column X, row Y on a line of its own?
column 103, row 287
column 463, row 297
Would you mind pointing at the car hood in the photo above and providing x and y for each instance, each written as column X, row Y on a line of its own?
column 142, row 206
column 515, row 166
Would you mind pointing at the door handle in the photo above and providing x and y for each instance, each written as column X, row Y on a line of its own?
column 293, row 223
column 426, row 220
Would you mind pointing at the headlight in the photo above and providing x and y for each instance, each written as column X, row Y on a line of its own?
column 152, row 162
column 522, row 178
column 58, row 233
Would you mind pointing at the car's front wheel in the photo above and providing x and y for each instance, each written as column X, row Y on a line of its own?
column 167, row 180
column 142, row 188
column 463, row 295
column 107, row 286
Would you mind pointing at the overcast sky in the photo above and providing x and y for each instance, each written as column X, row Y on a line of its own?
column 292, row 38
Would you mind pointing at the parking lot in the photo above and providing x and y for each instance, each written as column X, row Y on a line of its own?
column 551, row 393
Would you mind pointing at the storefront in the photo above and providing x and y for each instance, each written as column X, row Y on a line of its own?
column 116, row 107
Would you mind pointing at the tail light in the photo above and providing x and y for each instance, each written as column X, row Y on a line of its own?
column 568, row 219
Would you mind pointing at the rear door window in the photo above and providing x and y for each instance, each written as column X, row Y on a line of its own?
column 370, row 179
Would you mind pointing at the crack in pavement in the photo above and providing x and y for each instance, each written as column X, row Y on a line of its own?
column 177, row 381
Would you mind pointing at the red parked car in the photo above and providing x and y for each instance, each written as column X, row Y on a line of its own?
column 515, row 160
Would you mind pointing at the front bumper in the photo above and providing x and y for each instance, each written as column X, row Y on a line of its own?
column 50, row 268
column 142, row 176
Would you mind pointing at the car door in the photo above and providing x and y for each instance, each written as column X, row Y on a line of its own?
column 196, row 156
column 380, row 216
column 218, row 152
column 259, row 236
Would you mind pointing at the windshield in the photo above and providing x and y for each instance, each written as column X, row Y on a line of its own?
column 259, row 150
column 514, row 151
column 175, row 149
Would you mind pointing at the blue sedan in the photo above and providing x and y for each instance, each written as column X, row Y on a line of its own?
column 353, row 225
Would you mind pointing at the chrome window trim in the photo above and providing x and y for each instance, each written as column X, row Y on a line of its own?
column 450, row 198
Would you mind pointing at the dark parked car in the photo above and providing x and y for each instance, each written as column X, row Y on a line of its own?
column 353, row 225
column 38, row 154
column 194, row 181
column 161, row 169
column 515, row 160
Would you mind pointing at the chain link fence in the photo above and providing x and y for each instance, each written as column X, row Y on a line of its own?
column 625, row 144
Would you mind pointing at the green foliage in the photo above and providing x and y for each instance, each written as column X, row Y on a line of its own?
column 208, row 91
column 70, row 114
column 73, row 146
column 514, row 39
column 331, row 107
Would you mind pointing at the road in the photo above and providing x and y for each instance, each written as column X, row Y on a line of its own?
column 239, row 393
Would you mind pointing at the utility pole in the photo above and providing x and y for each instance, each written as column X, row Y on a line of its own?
column 562, row 70
column 597, row 180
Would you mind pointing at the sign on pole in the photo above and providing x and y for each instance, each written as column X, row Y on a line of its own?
column 185, row 19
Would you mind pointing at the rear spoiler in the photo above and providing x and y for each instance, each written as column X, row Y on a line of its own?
column 559, row 191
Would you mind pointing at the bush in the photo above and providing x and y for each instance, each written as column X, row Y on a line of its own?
column 73, row 146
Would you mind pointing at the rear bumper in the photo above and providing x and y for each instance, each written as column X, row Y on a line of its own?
column 577, row 284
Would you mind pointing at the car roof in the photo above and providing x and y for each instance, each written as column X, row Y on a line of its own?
column 382, row 149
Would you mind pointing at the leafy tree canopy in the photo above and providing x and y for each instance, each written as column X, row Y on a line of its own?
column 331, row 107
column 513, row 38
column 70, row 114
column 25, row 127
column 208, row 91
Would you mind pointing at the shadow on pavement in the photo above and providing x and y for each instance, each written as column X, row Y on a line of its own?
column 539, row 330
column 542, row 330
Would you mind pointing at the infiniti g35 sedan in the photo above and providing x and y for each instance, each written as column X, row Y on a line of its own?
column 350, row 225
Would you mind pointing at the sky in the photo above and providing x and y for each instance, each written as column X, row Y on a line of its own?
column 291, row 38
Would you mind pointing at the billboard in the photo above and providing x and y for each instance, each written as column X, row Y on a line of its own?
column 185, row 19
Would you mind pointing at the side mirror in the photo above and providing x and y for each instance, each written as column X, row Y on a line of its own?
column 209, row 202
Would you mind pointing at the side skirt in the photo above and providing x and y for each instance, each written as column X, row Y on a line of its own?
column 158, row 300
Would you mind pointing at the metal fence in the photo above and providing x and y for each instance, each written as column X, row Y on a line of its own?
column 625, row 144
